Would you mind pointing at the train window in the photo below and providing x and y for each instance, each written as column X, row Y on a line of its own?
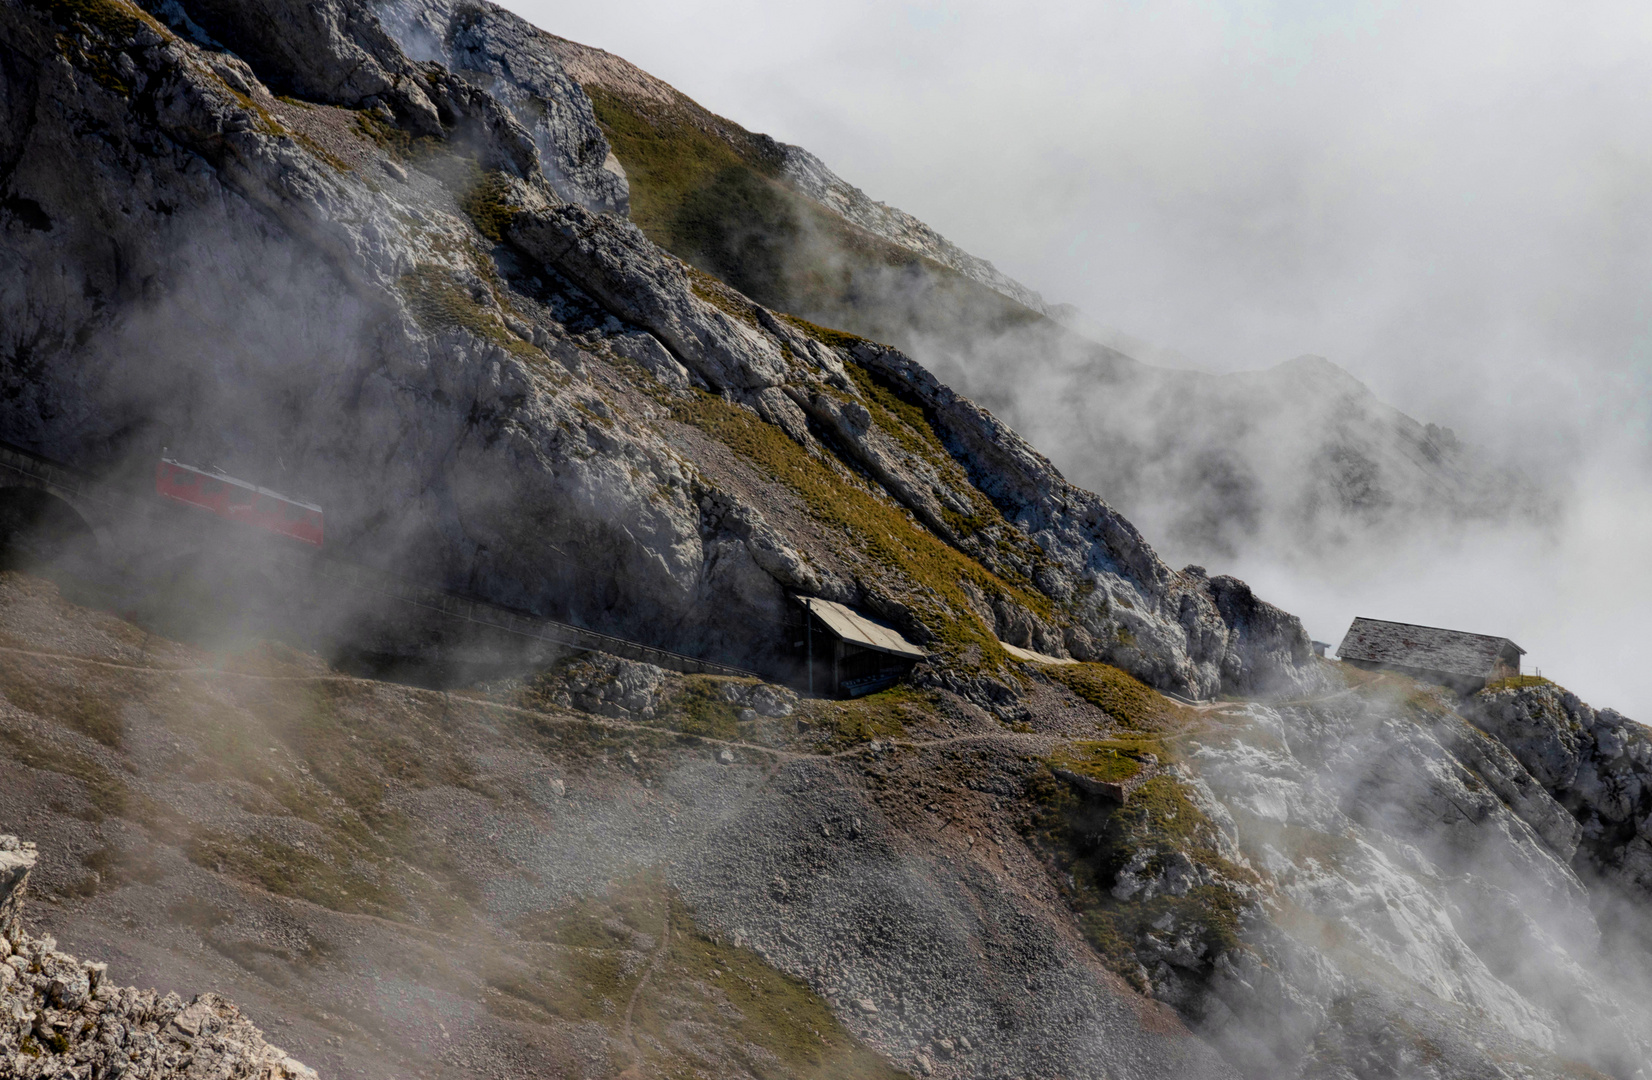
column 211, row 487
column 268, row 504
column 241, row 497
column 293, row 513
column 182, row 477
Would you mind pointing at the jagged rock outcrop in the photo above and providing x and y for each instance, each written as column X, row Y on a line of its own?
column 798, row 167
column 1400, row 845
column 394, row 311
column 1596, row 764
column 503, row 54
column 60, row 1016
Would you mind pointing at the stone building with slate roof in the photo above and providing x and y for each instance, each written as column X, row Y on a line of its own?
column 1464, row 662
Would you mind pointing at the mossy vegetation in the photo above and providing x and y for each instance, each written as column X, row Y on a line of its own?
column 1129, row 701
column 912, row 562
column 486, row 201
column 1517, row 682
column 837, row 339
column 440, row 303
column 1159, row 828
column 701, row 1002
column 704, row 188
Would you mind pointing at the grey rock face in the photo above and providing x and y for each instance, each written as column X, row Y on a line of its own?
column 331, row 51
column 1598, row 765
column 610, row 686
column 505, row 55
column 276, row 287
column 1440, row 861
column 60, row 1016
column 812, row 177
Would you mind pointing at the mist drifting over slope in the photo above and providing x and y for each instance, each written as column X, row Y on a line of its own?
column 1448, row 202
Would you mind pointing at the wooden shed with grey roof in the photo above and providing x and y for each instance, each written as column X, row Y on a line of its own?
column 847, row 653
column 1465, row 662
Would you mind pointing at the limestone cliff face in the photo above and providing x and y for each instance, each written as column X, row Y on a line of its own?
column 62, row 1016
column 1438, row 884
column 503, row 54
column 1597, row 764
column 374, row 280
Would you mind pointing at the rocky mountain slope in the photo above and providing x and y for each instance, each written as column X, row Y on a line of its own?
column 602, row 868
column 374, row 256
column 64, row 1016
column 347, row 274
column 1296, row 460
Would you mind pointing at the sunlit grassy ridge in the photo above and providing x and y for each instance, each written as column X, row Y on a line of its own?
column 901, row 557
column 712, row 193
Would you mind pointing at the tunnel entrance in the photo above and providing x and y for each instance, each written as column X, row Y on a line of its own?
column 39, row 532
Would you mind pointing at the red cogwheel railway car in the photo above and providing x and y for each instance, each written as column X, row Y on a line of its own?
column 238, row 500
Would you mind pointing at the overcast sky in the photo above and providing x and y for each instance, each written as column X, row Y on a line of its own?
column 1453, row 200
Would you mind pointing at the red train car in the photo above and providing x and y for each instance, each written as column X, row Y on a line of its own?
column 238, row 500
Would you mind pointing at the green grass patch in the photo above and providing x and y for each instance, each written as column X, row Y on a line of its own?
column 486, row 201
column 1091, row 840
column 1517, row 682
column 701, row 708
column 704, row 188
column 1106, row 760
column 1129, row 701
column 928, row 570
column 837, row 339
column 882, row 715
column 107, row 793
